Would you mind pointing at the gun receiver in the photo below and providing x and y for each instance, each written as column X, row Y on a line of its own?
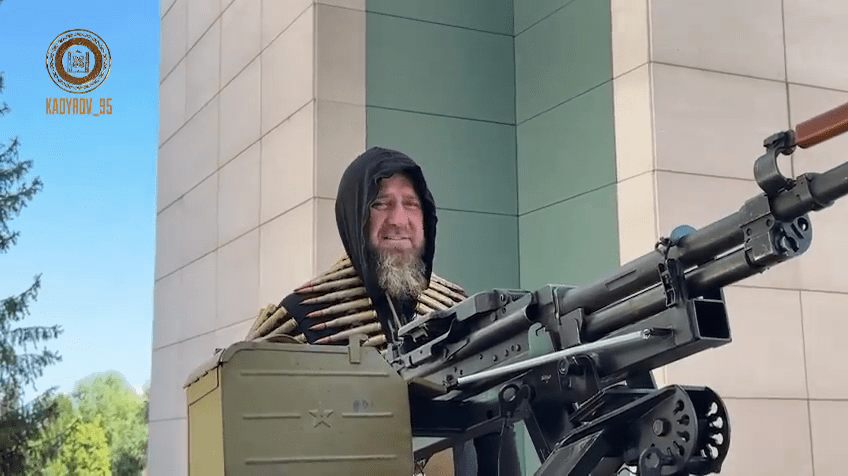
column 581, row 356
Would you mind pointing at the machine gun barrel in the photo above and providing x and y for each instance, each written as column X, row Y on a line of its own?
column 716, row 255
column 787, row 199
column 725, row 270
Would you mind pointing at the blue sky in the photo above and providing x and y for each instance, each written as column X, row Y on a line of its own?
column 91, row 231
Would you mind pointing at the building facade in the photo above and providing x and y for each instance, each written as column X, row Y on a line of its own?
column 560, row 138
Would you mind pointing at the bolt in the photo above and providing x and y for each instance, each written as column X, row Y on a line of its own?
column 515, row 347
column 494, row 358
column 660, row 427
column 506, row 353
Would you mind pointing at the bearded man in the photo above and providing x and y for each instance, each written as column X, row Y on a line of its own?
column 386, row 218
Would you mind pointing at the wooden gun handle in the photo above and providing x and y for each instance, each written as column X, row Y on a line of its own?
column 822, row 127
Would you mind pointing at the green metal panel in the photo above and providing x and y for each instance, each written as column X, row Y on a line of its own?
column 486, row 15
column 529, row 12
column 477, row 250
column 567, row 151
column 425, row 67
column 572, row 242
column 469, row 165
column 564, row 55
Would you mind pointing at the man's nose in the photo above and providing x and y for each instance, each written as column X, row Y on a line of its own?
column 398, row 216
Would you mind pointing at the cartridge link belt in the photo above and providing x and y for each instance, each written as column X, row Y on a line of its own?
column 348, row 307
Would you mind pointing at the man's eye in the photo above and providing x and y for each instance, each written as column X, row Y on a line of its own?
column 413, row 205
column 378, row 205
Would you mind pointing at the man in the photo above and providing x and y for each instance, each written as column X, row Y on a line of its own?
column 386, row 218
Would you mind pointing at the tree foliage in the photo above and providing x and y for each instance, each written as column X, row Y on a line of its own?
column 110, row 398
column 22, row 359
column 108, row 402
column 85, row 451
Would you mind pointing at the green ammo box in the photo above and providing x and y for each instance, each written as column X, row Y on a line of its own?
column 263, row 408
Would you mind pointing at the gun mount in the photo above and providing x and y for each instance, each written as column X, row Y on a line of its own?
column 573, row 363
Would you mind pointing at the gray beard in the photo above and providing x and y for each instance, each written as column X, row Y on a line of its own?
column 401, row 274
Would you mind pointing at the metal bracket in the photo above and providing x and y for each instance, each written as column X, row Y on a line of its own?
column 672, row 281
column 766, row 172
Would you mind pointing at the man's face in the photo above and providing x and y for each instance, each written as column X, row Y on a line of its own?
column 397, row 221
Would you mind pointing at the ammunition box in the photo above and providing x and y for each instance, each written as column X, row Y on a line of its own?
column 262, row 408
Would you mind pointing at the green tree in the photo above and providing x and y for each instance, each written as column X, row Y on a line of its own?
column 49, row 442
column 109, row 398
column 85, row 451
column 22, row 358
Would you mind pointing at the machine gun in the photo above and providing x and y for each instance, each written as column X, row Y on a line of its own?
column 573, row 363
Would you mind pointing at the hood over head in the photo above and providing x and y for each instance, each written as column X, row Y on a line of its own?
column 357, row 190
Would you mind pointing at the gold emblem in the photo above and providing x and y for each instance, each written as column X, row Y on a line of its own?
column 78, row 61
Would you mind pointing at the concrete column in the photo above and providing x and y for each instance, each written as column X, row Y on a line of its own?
column 262, row 107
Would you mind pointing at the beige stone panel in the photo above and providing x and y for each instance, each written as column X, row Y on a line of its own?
column 171, row 367
column 340, row 138
column 328, row 245
column 286, row 247
column 169, row 239
column 288, row 72
column 168, row 448
column 200, row 16
column 712, row 123
column 634, row 134
column 200, row 149
column 170, row 170
column 637, row 224
column 768, row 437
column 238, row 280
column 694, row 200
column 174, row 34
column 815, row 42
column 288, row 162
column 167, row 299
column 240, row 37
column 238, row 196
column 660, row 377
column 629, row 35
column 164, row 402
column 230, row 335
column 172, row 102
column 741, row 37
column 198, row 311
column 203, row 63
column 340, row 54
column 765, row 358
column 825, row 328
column 827, row 423
column 277, row 16
column 351, row 4
column 164, row 6
column 240, row 113
column 225, row 4
column 199, row 226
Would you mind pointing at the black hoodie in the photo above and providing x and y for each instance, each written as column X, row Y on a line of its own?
column 357, row 190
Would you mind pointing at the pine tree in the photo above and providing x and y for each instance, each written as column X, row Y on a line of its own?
column 22, row 355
